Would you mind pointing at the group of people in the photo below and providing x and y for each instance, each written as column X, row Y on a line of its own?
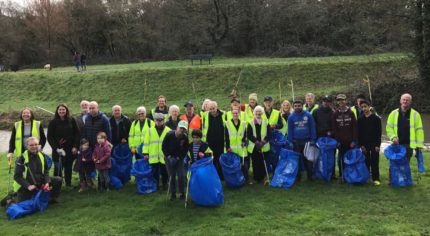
column 170, row 141
column 80, row 61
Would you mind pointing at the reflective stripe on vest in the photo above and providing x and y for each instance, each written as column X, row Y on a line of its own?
column 236, row 136
column 137, row 135
column 16, row 185
column 35, row 126
column 416, row 132
column 154, row 145
column 263, row 131
column 249, row 114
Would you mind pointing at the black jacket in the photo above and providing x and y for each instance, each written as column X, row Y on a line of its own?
column 215, row 135
column 42, row 138
column 121, row 130
column 369, row 131
column 35, row 165
column 323, row 121
column 175, row 146
column 65, row 131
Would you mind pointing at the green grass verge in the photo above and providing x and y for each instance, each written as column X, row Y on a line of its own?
column 125, row 84
column 311, row 208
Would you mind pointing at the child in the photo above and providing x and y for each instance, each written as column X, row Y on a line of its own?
column 198, row 149
column 369, row 139
column 84, row 165
column 102, row 160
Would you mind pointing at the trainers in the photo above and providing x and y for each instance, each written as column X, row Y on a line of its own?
column 376, row 182
column 81, row 190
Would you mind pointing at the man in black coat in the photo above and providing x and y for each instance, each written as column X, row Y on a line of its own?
column 120, row 126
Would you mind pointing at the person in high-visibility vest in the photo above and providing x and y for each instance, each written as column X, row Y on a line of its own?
column 235, row 104
column 193, row 120
column 173, row 120
column 405, row 127
column 205, row 108
column 249, row 108
column 22, row 130
column 258, row 135
column 32, row 173
column 285, row 111
column 139, row 130
column 160, row 108
column 356, row 109
column 275, row 122
column 213, row 133
column 310, row 104
column 152, row 150
column 235, row 139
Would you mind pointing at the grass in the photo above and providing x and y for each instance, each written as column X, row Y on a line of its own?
column 311, row 208
column 125, row 84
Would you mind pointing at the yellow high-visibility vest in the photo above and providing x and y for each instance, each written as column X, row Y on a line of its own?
column 16, row 185
column 263, row 131
column 416, row 132
column 236, row 137
column 136, row 135
column 153, row 145
column 35, row 126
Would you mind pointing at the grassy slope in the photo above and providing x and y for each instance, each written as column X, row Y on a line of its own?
column 124, row 84
column 310, row 209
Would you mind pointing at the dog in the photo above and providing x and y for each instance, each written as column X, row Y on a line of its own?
column 48, row 67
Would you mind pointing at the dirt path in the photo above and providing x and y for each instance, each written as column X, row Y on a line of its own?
column 4, row 142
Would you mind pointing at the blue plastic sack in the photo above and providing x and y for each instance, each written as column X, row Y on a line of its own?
column 420, row 161
column 205, row 184
column 324, row 165
column 19, row 210
column 277, row 141
column 142, row 172
column 49, row 161
column 231, row 169
column 115, row 182
column 122, row 159
column 400, row 171
column 287, row 169
column 355, row 170
column 39, row 202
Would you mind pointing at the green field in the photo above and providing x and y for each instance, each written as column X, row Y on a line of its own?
column 310, row 208
column 125, row 84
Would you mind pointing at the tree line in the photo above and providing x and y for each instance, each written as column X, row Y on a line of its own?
column 48, row 31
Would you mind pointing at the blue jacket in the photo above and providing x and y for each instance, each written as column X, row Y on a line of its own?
column 301, row 127
column 96, row 124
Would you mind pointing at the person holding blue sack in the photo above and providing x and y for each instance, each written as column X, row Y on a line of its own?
column 301, row 129
column 84, row 166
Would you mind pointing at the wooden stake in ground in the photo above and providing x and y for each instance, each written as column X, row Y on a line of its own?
column 144, row 91
column 367, row 80
column 292, row 90
column 194, row 90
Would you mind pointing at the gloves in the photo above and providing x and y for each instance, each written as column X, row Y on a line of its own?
column 9, row 157
column 229, row 150
column 61, row 152
column 133, row 150
column 146, row 157
column 395, row 141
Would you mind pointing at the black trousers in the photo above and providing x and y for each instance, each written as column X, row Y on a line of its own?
column 343, row 148
column 175, row 166
column 217, row 151
column 258, row 168
column 157, row 170
column 372, row 161
column 66, row 167
column 245, row 168
column 56, row 182
column 299, row 147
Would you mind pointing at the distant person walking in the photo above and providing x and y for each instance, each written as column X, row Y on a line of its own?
column 77, row 61
column 83, row 62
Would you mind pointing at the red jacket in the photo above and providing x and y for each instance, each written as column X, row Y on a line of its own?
column 344, row 127
column 101, row 154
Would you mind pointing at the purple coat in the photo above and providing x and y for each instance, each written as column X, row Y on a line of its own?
column 88, row 165
column 102, row 155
